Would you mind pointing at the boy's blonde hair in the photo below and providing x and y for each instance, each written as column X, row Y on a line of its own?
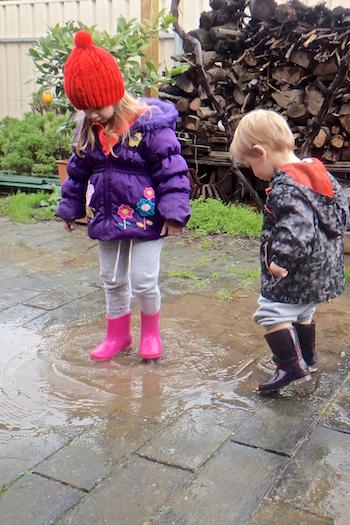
column 261, row 127
column 127, row 110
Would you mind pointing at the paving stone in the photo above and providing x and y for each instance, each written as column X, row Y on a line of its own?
column 78, row 311
column 130, row 496
column 279, row 424
column 21, row 451
column 194, row 437
column 338, row 416
column 11, row 297
column 318, row 480
column 227, row 489
column 34, row 500
column 19, row 314
column 279, row 512
column 93, row 455
column 58, row 297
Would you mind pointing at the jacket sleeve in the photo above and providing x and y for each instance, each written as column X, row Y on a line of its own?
column 169, row 172
column 293, row 230
column 72, row 204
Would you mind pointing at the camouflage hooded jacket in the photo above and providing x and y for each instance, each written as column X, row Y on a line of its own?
column 303, row 229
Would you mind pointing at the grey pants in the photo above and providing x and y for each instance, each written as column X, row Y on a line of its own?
column 270, row 313
column 130, row 268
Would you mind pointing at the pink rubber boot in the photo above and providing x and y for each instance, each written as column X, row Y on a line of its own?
column 118, row 338
column 150, row 344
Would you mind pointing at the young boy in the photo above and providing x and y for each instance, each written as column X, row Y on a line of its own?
column 302, row 253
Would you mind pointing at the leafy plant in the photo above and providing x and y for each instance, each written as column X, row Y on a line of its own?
column 30, row 146
column 30, row 207
column 212, row 216
column 127, row 44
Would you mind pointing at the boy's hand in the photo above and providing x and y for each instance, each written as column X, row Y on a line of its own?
column 171, row 228
column 69, row 226
column 278, row 271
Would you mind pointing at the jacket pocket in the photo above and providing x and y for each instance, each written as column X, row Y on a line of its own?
column 266, row 260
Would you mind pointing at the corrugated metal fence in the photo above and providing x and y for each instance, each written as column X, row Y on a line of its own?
column 21, row 22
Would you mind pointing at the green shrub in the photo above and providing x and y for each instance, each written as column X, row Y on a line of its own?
column 30, row 207
column 30, row 146
column 212, row 216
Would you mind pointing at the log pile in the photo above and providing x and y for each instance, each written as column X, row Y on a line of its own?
column 257, row 54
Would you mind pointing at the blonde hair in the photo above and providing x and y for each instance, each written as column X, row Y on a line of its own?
column 125, row 111
column 261, row 127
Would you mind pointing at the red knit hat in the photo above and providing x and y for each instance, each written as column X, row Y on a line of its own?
column 92, row 78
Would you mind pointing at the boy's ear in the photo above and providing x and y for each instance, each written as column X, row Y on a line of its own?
column 259, row 151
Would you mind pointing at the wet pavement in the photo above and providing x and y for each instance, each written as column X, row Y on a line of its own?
column 186, row 440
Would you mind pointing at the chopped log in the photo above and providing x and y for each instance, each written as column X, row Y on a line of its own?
column 185, row 84
column 337, row 141
column 285, row 13
column 195, row 104
column 210, row 57
column 239, row 96
column 216, row 74
column 345, row 122
column 296, row 111
column 321, row 138
column 313, row 100
column 326, row 68
column 217, row 4
column 332, row 155
column 210, row 19
column 345, row 154
column 287, row 75
column 191, row 122
column 204, row 112
column 285, row 98
column 183, row 105
column 226, row 31
column 300, row 58
column 263, row 10
column 203, row 37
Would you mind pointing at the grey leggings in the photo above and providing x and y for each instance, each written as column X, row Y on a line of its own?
column 130, row 268
column 270, row 313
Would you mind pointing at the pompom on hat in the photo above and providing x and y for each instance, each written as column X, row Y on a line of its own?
column 92, row 78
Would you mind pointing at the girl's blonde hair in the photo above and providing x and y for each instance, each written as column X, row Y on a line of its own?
column 127, row 110
column 261, row 127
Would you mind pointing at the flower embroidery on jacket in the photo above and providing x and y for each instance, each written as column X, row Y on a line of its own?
column 135, row 140
column 146, row 208
column 125, row 212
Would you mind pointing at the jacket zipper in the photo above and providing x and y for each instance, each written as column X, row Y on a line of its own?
column 106, row 181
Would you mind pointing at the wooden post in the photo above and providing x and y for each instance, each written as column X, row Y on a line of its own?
column 149, row 12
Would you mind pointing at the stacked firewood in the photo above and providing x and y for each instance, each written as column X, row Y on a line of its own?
column 257, row 54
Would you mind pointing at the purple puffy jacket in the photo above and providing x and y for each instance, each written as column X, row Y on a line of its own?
column 131, row 194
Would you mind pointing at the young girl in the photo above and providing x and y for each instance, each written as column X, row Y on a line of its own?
column 127, row 174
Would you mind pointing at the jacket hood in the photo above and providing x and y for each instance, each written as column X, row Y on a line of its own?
column 324, row 194
column 161, row 115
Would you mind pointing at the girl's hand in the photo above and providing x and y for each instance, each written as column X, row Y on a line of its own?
column 69, row 225
column 278, row 271
column 171, row 228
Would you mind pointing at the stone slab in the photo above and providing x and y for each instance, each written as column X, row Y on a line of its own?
column 194, row 436
column 279, row 512
column 131, row 495
column 19, row 314
column 227, row 489
column 33, row 500
column 21, row 451
column 93, row 454
column 280, row 424
column 338, row 416
column 59, row 297
column 318, row 480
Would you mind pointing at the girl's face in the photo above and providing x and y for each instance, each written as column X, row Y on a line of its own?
column 101, row 115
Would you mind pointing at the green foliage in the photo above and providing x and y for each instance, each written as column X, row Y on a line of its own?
column 30, row 146
column 30, row 207
column 347, row 274
column 183, row 274
column 224, row 295
column 127, row 44
column 246, row 276
column 212, row 216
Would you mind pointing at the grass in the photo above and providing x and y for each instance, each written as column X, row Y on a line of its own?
column 183, row 274
column 347, row 274
column 224, row 295
column 29, row 207
column 212, row 216
column 206, row 244
column 246, row 276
